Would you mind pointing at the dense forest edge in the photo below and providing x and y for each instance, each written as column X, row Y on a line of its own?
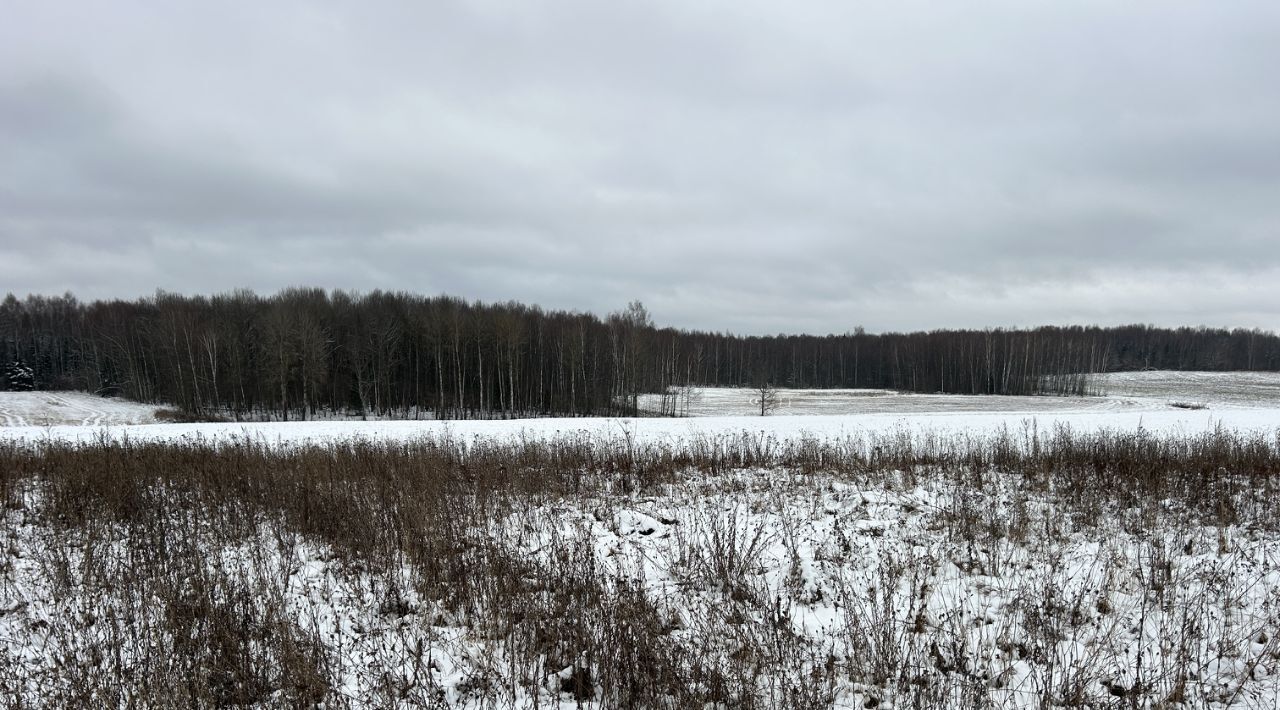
column 305, row 350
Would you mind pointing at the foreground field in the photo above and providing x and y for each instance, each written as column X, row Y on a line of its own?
column 1030, row 569
column 672, row 432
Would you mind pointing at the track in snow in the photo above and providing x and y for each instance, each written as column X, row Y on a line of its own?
column 41, row 409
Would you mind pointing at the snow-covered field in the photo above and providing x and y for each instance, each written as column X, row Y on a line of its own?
column 673, row 431
column 1153, row 418
column 1117, row 393
column 1157, row 401
column 1215, row 390
column 761, row 587
column 40, row 409
column 837, row 578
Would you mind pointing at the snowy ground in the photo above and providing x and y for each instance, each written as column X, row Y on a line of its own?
column 932, row 588
column 1118, row 392
column 676, row 431
column 1215, row 390
column 1158, row 401
column 39, row 409
column 801, row 590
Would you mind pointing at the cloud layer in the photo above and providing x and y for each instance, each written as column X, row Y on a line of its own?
column 758, row 167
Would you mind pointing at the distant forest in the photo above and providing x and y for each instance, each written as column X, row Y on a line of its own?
column 303, row 350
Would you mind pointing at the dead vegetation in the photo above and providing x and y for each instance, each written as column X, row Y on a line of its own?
column 1188, row 405
column 441, row 573
column 182, row 416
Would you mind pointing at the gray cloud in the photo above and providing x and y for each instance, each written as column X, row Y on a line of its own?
column 734, row 165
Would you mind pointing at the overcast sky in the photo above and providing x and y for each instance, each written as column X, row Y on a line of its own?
column 750, row 166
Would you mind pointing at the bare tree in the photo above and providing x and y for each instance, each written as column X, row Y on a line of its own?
column 629, row 332
column 767, row 396
column 277, row 357
column 311, row 343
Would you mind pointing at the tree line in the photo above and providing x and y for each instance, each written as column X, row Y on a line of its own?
column 302, row 350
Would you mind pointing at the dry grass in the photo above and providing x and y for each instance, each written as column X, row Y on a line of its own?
column 177, row 570
column 182, row 416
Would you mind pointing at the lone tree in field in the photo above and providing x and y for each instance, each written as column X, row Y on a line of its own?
column 767, row 395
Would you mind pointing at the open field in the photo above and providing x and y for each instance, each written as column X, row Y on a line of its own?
column 738, row 571
column 1119, row 551
column 39, row 409
column 1156, row 401
column 1116, row 392
column 670, row 431
column 1216, row 390
column 1177, row 403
